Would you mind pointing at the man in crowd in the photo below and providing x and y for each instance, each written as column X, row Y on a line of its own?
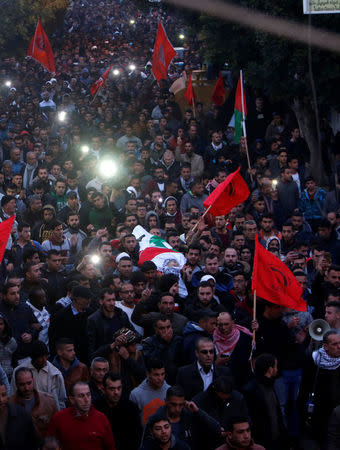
column 71, row 425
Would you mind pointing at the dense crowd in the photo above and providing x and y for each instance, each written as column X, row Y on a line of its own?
column 98, row 351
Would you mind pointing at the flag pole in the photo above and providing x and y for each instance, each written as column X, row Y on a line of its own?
column 254, row 316
column 244, row 125
column 202, row 217
column 95, row 96
column 193, row 99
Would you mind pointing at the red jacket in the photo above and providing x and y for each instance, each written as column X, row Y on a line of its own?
column 92, row 432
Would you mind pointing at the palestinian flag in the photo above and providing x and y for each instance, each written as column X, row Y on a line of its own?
column 155, row 249
column 240, row 110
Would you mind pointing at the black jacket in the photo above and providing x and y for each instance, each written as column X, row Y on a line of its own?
column 192, row 426
column 124, row 419
column 21, row 320
column 169, row 353
column 221, row 411
column 333, row 435
column 191, row 381
column 20, row 432
column 64, row 324
column 239, row 360
column 327, row 395
column 263, row 407
column 274, row 336
column 55, row 285
column 101, row 331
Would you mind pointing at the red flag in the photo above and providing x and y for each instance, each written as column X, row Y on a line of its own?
column 231, row 192
column 100, row 82
column 219, row 92
column 40, row 49
column 274, row 282
column 239, row 97
column 163, row 52
column 5, row 231
column 189, row 93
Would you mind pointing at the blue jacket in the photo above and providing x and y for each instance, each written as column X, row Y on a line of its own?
column 313, row 208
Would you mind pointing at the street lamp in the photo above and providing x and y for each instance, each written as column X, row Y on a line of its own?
column 8, row 83
column 181, row 36
column 115, row 72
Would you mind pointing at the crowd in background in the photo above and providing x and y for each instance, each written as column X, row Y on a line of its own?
column 98, row 351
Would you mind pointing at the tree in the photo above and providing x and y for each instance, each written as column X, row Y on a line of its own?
column 280, row 67
column 19, row 19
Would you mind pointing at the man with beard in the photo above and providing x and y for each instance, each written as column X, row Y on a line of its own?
column 73, row 232
column 41, row 230
column 157, row 183
column 72, row 206
column 230, row 263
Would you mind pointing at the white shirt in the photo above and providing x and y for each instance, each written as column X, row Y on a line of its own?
column 129, row 312
column 207, row 378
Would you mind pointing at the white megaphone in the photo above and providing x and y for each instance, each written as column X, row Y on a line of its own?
column 318, row 328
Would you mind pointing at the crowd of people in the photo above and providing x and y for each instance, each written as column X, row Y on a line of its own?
column 98, row 351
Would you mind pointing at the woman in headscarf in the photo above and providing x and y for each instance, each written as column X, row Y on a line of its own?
column 233, row 344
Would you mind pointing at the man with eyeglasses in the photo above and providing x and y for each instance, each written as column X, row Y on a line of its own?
column 81, row 426
column 198, row 376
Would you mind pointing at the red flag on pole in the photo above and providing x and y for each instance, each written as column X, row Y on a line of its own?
column 5, row 231
column 219, row 92
column 100, row 82
column 189, row 93
column 40, row 49
column 163, row 52
column 231, row 192
column 274, row 282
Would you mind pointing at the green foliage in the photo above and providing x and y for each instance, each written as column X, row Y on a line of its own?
column 278, row 66
column 18, row 21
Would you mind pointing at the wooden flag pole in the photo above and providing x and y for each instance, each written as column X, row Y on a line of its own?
column 244, row 125
column 95, row 96
column 202, row 217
